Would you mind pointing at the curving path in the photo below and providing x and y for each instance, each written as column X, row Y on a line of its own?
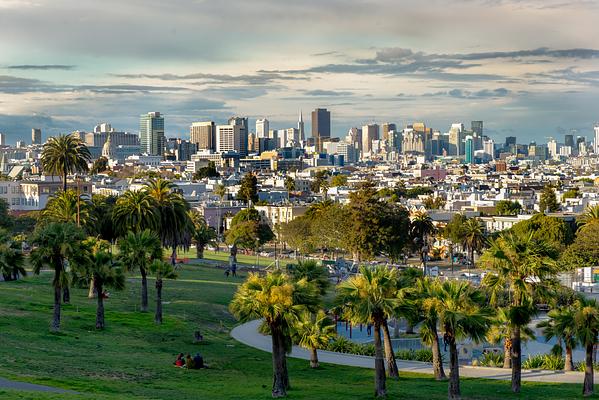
column 248, row 334
column 32, row 387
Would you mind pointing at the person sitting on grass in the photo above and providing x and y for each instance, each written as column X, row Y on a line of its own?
column 198, row 361
column 189, row 364
column 179, row 362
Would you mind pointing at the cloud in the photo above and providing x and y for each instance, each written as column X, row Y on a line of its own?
column 260, row 78
column 328, row 93
column 42, row 67
column 485, row 93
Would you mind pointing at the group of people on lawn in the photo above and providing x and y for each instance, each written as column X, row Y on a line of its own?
column 197, row 362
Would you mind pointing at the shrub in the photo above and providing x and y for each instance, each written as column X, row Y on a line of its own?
column 425, row 355
column 491, row 359
column 580, row 366
column 553, row 362
column 343, row 345
column 534, row 361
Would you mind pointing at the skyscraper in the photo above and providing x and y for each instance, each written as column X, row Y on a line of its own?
column 36, row 136
column 596, row 142
column 569, row 140
column 151, row 133
column 510, row 141
column 489, row 147
column 262, row 128
column 2, row 139
column 232, row 137
column 300, row 127
column 386, row 128
column 321, row 126
column 243, row 124
column 370, row 132
column 203, row 134
column 469, row 150
column 456, row 141
column 477, row 127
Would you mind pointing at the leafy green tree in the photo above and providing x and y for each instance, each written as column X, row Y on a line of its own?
column 297, row 234
column 571, row 194
column 339, row 180
column 586, row 326
column 328, row 226
column 473, row 237
column 542, row 227
column 137, row 250
column 369, row 298
column 161, row 271
column 55, row 246
column 313, row 273
column 591, row 215
column 67, row 207
column 248, row 230
column 320, row 177
column 507, row 207
column 134, row 211
column 63, row 155
column 561, row 325
column 548, row 201
column 526, row 268
column 221, row 191
column 7, row 221
column 101, row 223
column 202, row 234
column 313, row 332
column 100, row 165
column 416, row 191
column 12, row 260
column 421, row 227
column 280, row 302
column 434, row 203
column 454, row 232
column 461, row 316
column 289, row 184
column 248, row 190
column 584, row 251
column 206, row 172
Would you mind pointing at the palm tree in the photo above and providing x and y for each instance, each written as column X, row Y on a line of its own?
column 11, row 257
column 461, row 316
column 137, row 250
column 310, row 270
column 104, row 272
column 56, row 245
column 174, row 224
column 560, row 325
column 67, row 207
column 421, row 227
column 525, row 267
column 427, row 292
column 279, row 301
column 134, row 211
column 586, row 326
column 63, row 155
column 590, row 215
column 161, row 270
column 202, row 234
column 473, row 237
column 313, row 332
column 370, row 297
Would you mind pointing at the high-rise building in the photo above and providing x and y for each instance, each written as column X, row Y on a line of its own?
column 596, row 142
column 321, row 126
column 2, row 139
column 244, row 130
column 203, row 134
column 569, row 140
column 262, row 128
column 553, row 148
column 370, row 132
column 489, row 147
column 151, row 133
column 386, row 128
column 456, row 139
column 36, row 136
column 469, row 150
column 300, row 127
column 477, row 127
column 232, row 137
column 510, row 141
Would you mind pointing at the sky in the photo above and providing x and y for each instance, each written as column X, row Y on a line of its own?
column 526, row 68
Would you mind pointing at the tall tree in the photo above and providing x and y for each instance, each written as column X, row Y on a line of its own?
column 590, row 216
column 63, row 155
column 161, row 271
column 279, row 301
column 421, row 227
column 313, row 332
column 12, row 260
column 548, row 201
column 507, row 207
column 137, row 250
column 68, row 207
column 134, row 211
column 526, row 268
column 202, row 234
column 586, row 326
column 473, row 237
column 561, row 325
column 248, row 190
column 461, row 315
column 313, row 273
column 369, row 298
column 55, row 246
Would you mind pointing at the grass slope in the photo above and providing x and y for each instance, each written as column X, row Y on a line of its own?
column 132, row 358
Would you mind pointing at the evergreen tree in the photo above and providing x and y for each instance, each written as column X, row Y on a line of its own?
column 249, row 188
column 548, row 201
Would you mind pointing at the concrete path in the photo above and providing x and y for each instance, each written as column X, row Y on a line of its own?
column 248, row 334
column 32, row 387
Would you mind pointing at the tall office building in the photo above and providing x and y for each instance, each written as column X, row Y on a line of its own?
column 300, row 127
column 321, row 126
column 2, row 139
column 232, row 137
column 386, row 128
column 262, row 128
column 596, row 142
column 36, row 136
column 569, row 140
column 469, row 150
column 151, row 133
column 510, row 141
column 489, row 147
column 203, row 134
column 456, row 139
column 477, row 127
column 244, row 130
column 370, row 132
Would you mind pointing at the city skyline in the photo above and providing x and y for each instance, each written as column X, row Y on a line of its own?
column 516, row 65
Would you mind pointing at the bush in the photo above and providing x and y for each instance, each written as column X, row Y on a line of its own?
column 534, row 362
column 424, row 355
column 544, row 361
column 343, row 345
column 580, row 366
column 491, row 359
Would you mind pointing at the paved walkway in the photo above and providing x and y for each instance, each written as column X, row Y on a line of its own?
column 248, row 334
column 32, row 387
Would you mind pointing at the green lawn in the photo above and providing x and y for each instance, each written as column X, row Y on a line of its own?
column 132, row 358
column 223, row 256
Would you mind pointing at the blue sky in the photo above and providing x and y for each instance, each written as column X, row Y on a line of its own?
column 527, row 68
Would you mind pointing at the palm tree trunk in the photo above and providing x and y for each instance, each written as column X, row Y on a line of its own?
column 144, row 290
column 409, row 328
column 199, row 251
column 100, row 308
column 314, row 358
column 569, row 364
column 516, row 360
column 454, row 371
column 158, row 316
column 92, row 289
column 64, row 180
column 507, row 353
column 437, row 360
column 56, row 316
column 380, row 389
column 280, row 381
column 395, row 327
column 66, row 295
column 392, row 370
column 587, row 388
